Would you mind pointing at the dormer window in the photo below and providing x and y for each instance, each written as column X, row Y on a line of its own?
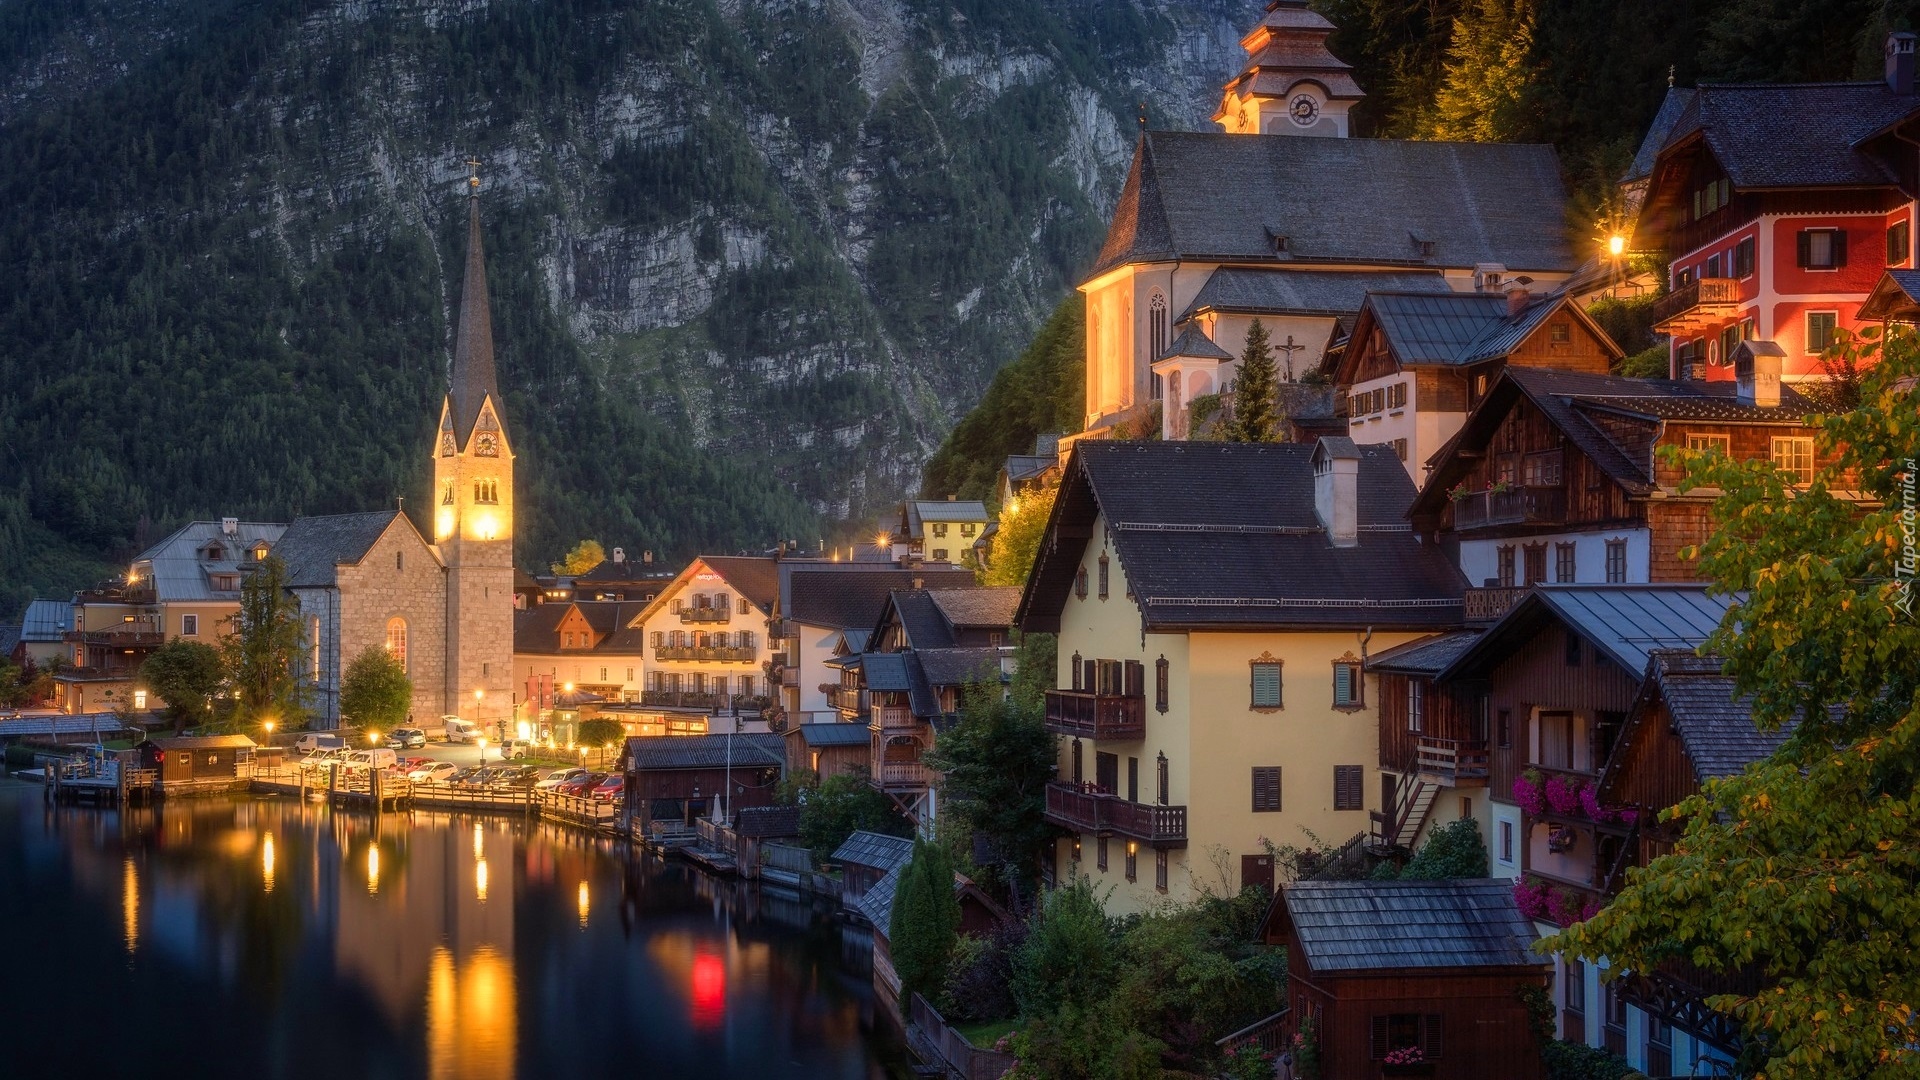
column 216, row 553
column 259, row 552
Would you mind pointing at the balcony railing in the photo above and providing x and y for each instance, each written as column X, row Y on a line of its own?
column 1087, row 715
column 848, row 699
column 706, row 615
column 902, row 774
column 1489, row 604
column 1703, row 298
column 679, row 699
column 893, row 718
column 1513, row 506
column 116, row 638
column 701, row 652
column 1088, row 810
column 1453, row 762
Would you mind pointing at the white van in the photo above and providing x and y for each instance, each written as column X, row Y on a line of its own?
column 378, row 758
column 462, row 731
column 313, row 741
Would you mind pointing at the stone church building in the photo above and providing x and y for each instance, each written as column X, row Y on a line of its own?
column 443, row 606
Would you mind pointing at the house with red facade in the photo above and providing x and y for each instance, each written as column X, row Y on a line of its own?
column 1779, row 207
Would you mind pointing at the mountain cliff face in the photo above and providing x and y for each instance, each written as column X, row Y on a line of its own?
column 750, row 258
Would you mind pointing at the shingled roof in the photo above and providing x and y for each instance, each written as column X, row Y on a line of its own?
column 1425, row 656
column 1246, row 290
column 1193, row 341
column 1714, row 724
column 1896, row 295
column 1350, row 927
column 1775, row 135
column 959, row 667
column 873, row 850
column 757, row 577
column 852, row 599
column 990, row 607
column 1224, row 535
column 749, row 750
column 313, row 548
column 1348, row 200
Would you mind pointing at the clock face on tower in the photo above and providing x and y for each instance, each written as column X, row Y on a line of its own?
column 486, row 445
column 446, row 444
column 1304, row 110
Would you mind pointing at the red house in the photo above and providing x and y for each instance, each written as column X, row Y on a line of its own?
column 1779, row 207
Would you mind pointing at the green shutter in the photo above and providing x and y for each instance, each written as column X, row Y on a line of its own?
column 1342, row 684
column 1266, row 686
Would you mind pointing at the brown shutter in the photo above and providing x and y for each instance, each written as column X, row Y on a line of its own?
column 1136, row 679
column 1266, row 789
column 1803, row 249
column 1379, row 1041
column 1347, row 780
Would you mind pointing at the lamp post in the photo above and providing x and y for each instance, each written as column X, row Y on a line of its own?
column 483, row 749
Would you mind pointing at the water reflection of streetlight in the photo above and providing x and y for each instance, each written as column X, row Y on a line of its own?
column 479, row 842
column 130, row 902
column 581, row 896
column 266, row 862
column 480, row 880
column 373, row 869
column 483, row 749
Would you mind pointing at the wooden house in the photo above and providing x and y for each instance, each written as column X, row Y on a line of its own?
column 827, row 749
column 685, row 777
column 191, row 758
column 1426, row 969
column 1433, row 741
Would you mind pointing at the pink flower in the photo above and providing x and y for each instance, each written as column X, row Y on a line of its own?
column 1528, row 794
column 1563, row 795
column 1590, row 803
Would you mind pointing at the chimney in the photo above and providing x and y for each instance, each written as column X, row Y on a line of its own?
column 230, row 526
column 646, row 558
column 1756, row 373
column 1336, row 495
column 1900, row 62
column 619, row 556
column 952, row 498
column 919, row 583
column 1517, row 297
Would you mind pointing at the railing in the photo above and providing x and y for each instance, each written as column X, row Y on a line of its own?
column 960, row 1057
column 1486, row 605
column 701, row 652
column 848, row 699
column 1272, row 1034
column 679, row 699
column 117, row 638
column 903, row 774
column 1091, row 810
column 1512, row 506
column 1697, row 293
column 893, row 718
column 1454, row 762
column 1088, row 715
column 706, row 615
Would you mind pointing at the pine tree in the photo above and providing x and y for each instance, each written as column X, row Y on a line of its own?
column 1255, row 409
column 262, row 655
column 1489, row 89
column 925, row 920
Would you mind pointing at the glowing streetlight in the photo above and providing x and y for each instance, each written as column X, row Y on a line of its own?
column 1616, row 245
column 373, row 738
column 269, row 726
column 883, row 541
column 483, row 749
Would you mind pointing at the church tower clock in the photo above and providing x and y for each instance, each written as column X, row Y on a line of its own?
column 1291, row 85
column 473, row 505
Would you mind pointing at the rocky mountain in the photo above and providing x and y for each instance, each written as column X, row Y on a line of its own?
column 750, row 258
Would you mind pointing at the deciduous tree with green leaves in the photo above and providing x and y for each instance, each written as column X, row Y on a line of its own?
column 925, row 920
column 599, row 731
column 262, row 653
column 843, row 804
column 1016, row 542
column 585, row 555
column 375, row 691
column 996, row 763
column 185, row 674
column 1807, row 865
column 1256, row 410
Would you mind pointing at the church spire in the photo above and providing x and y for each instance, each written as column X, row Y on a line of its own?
column 473, row 379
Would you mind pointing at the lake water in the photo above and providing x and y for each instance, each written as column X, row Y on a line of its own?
column 270, row 938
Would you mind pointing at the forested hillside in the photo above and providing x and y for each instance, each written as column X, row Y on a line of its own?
column 749, row 257
column 1584, row 75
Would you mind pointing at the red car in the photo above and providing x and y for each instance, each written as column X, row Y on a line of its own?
column 609, row 789
column 581, row 785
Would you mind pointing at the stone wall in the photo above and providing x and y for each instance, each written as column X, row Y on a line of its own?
column 411, row 587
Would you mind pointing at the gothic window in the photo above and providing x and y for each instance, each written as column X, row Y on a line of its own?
column 1080, row 583
column 397, row 641
column 1103, row 576
column 486, row 491
column 1157, row 325
column 446, row 494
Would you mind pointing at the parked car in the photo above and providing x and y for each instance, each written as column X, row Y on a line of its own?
column 320, row 759
column 514, row 776
column 314, row 741
column 582, row 784
column 515, row 748
column 466, row 775
column 610, row 788
column 377, row 758
column 434, row 772
column 456, row 730
column 559, row 778
column 408, row 764
column 407, row 738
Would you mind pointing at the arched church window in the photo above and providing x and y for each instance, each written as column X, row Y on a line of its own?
column 397, row 641
column 1157, row 327
column 446, row 496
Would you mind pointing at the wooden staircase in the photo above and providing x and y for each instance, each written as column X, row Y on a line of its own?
column 1399, row 825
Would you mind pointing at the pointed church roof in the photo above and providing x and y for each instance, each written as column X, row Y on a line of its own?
column 473, row 379
column 1287, row 48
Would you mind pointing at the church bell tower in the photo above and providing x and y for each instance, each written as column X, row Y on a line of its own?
column 1291, row 85
column 473, row 505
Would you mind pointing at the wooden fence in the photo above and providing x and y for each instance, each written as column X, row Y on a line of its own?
column 961, row 1058
column 1272, row 1034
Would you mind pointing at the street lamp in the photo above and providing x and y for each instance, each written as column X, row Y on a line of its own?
column 1616, row 245
column 373, row 738
column 483, row 749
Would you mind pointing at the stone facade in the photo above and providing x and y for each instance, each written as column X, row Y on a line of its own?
column 400, row 577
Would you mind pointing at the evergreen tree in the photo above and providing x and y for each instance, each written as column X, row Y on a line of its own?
column 375, row 692
column 1490, row 83
column 185, row 674
column 1256, row 410
column 925, row 920
column 262, row 655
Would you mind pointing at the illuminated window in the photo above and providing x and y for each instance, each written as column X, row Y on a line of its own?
column 486, row 491
column 397, row 641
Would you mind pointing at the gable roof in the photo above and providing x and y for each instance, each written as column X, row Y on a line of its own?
column 1714, row 725
column 201, row 742
column 1225, row 536
column 853, row 599
column 46, row 620
column 178, row 571
column 832, row 734
column 1781, row 135
column 1466, row 328
column 1358, row 926
column 1626, row 623
column 877, row 851
column 749, row 750
column 917, row 512
column 1193, row 341
column 1303, row 291
column 1425, row 656
column 9, row 637
column 960, row 667
column 885, row 671
column 921, row 620
column 989, row 607
column 314, row 548
column 1896, row 295
column 1339, row 200
column 756, row 577
column 1671, row 106
column 536, row 629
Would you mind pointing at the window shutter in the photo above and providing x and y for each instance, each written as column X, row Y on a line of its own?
column 1839, row 247
column 1090, row 676
column 1379, row 1041
column 1266, row 789
column 1430, row 1038
column 1342, row 684
column 1266, row 686
column 1136, row 679
column 1803, row 249
column 1346, row 787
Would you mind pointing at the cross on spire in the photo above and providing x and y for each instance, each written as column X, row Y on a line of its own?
column 473, row 176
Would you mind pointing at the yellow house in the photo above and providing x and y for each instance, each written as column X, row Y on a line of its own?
column 1216, row 605
column 708, row 651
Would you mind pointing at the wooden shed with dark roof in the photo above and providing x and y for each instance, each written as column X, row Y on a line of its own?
column 1377, row 967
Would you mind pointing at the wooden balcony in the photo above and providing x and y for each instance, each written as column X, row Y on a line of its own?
column 1696, row 305
column 848, row 699
column 1086, row 715
column 117, row 638
column 1513, row 506
column 706, row 615
column 893, row 718
column 679, row 699
column 731, row 653
column 902, row 776
column 1489, row 604
column 1085, row 809
column 1458, row 763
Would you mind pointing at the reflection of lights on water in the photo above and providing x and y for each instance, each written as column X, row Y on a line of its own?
column 266, row 861
column 479, row 842
column 709, row 990
column 582, row 897
column 480, row 880
column 373, row 869
column 130, row 902
column 472, row 1016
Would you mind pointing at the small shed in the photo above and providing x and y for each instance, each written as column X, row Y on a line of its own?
column 1382, row 966
column 828, row 749
column 865, row 858
column 197, row 757
column 682, row 777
